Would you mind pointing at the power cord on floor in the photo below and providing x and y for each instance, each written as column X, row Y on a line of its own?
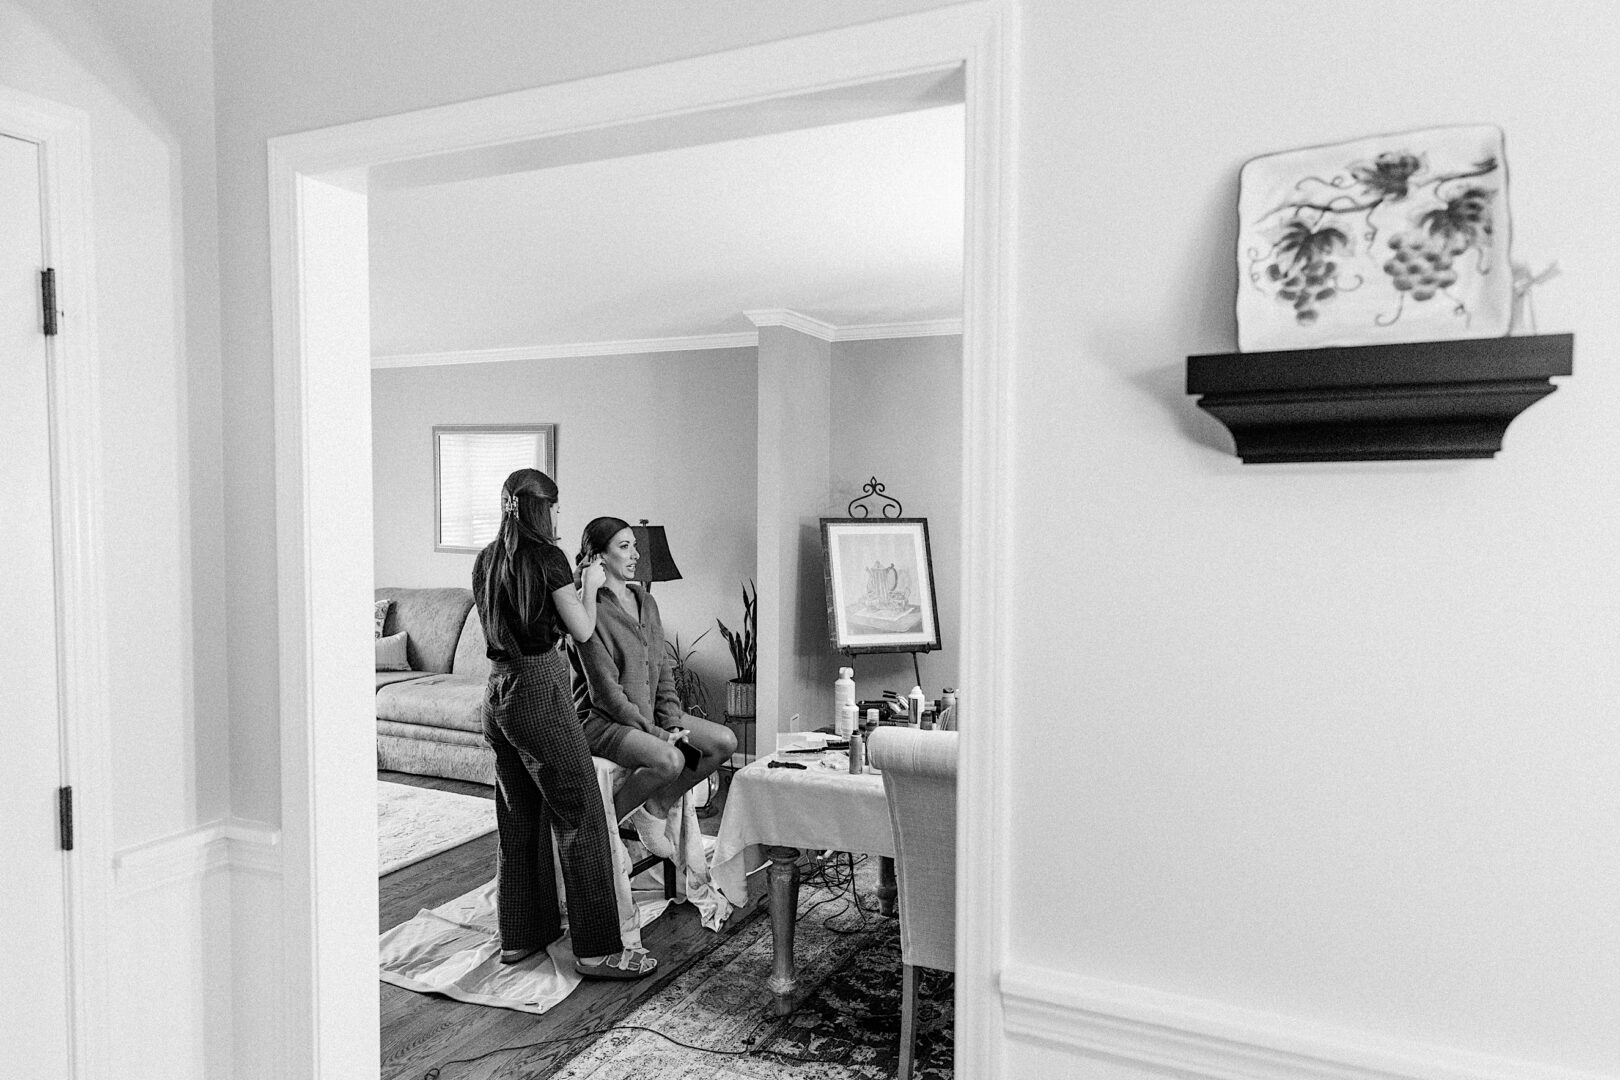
column 828, row 873
column 434, row 1072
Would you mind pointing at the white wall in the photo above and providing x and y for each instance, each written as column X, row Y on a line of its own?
column 1334, row 742
column 667, row 437
column 142, row 75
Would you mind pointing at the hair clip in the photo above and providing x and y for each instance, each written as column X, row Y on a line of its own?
column 509, row 504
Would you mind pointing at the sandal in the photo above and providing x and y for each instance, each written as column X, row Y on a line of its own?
column 517, row 956
column 624, row 964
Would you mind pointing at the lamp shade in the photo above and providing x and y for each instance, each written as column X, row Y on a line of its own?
column 655, row 562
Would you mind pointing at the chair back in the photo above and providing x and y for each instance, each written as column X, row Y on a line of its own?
column 919, row 779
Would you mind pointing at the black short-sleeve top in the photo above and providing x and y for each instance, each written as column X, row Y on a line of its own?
column 507, row 635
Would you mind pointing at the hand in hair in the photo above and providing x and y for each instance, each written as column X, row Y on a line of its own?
column 592, row 576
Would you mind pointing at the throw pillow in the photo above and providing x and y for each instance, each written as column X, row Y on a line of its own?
column 379, row 615
column 391, row 653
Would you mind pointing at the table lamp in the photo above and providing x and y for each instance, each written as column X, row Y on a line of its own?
column 655, row 562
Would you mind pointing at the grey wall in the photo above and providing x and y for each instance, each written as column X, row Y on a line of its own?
column 897, row 408
column 668, row 437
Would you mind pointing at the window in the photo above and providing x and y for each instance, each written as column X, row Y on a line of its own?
column 469, row 466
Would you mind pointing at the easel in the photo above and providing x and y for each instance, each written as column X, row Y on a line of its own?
column 886, row 506
column 916, row 669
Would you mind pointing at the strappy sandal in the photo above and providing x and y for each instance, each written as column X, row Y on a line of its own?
column 623, row 965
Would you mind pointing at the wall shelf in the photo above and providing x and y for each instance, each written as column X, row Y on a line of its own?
column 1413, row 400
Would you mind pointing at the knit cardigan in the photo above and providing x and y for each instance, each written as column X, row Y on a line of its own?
column 628, row 673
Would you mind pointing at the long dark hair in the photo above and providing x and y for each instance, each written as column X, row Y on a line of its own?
column 597, row 536
column 526, row 521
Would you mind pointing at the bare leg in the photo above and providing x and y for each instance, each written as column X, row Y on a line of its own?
column 784, row 886
column 715, row 742
column 652, row 763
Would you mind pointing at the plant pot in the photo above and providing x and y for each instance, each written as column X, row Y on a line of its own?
column 739, row 698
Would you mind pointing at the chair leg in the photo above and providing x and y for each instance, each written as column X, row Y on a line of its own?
column 669, row 873
column 908, row 1020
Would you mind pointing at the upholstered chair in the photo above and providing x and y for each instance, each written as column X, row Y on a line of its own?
column 919, row 778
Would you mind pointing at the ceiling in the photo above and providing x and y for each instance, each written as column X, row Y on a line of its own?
column 855, row 226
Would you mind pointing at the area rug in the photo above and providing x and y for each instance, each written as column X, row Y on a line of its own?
column 847, row 1027
column 416, row 823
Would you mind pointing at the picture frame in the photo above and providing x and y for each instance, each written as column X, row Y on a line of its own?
column 879, row 574
column 470, row 463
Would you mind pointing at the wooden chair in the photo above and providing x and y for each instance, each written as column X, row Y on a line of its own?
column 919, row 779
column 650, row 860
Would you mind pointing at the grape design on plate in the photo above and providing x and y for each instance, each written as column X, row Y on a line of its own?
column 1423, row 259
column 1303, row 271
column 1424, row 228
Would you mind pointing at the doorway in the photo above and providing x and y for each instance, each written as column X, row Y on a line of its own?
column 322, row 353
column 53, row 784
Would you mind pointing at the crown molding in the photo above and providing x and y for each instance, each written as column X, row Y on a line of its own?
column 793, row 320
column 826, row 331
column 921, row 328
column 743, row 339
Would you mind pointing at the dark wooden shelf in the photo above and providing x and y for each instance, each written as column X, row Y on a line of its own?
column 1413, row 400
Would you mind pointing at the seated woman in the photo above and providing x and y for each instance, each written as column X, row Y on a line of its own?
column 631, row 713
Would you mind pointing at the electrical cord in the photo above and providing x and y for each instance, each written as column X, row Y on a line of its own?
column 828, row 873
column 436, row 1071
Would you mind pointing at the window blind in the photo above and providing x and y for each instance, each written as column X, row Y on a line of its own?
column 472, row 467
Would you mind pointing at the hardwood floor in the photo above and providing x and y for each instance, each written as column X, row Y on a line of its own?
column 420, row 1031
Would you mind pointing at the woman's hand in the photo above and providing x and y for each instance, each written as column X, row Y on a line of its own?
column 592, row 576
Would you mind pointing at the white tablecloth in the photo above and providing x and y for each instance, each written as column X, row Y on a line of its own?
column 820, row 807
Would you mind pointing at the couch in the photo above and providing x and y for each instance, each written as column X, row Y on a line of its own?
column 430, row 718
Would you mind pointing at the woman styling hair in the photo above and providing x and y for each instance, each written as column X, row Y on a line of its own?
column 544, row 779
column 634, row 717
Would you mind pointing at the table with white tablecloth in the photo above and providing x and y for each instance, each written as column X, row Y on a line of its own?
column 821, row 807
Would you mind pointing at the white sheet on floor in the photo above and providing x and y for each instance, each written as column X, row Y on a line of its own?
column 454, row 949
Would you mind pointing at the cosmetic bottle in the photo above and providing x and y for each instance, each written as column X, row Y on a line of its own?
column 857, row 753
column 915, row 702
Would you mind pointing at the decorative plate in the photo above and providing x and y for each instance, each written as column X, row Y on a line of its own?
column 1393, row 238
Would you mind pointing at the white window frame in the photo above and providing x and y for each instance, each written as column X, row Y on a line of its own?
column 545, row 461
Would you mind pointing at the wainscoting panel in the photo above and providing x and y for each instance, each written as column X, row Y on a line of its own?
column 174, row 938
column 1062, row 1025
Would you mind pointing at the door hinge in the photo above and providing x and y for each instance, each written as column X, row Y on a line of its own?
column 47, row 299
column 64, row 807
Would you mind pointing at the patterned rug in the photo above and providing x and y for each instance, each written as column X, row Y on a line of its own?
column 416, row 823
column 847, row 1027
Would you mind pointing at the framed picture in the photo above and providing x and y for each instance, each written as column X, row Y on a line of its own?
column 470, row 463
column 880, row 584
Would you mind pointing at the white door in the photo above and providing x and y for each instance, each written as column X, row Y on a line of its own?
column 33, row 894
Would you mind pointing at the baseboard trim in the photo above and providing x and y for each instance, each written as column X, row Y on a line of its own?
column 1210, row 1040
column 230, row 843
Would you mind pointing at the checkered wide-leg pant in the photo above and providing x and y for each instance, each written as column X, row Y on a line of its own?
column 545, row 783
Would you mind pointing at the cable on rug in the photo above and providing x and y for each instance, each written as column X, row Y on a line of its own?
column 829, row 874
column 435, row 1072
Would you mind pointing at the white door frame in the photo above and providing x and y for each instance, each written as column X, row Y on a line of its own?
column 317, row 191
column 62, row 135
